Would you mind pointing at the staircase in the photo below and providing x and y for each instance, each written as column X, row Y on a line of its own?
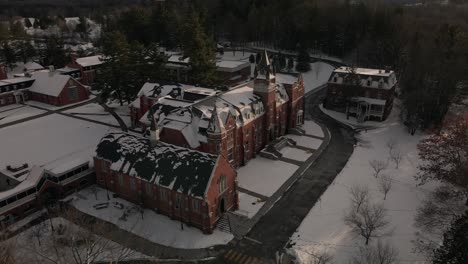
column 224, row 224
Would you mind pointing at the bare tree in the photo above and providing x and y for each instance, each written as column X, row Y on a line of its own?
column 7, row 255
column 69, row 243
column 93, row 188
column 385, row 182
column 376, row 254
column 359, row 195
column 396, row 157
column 37, row 232
column 391, row 144
column 378, row 166
column 319, row 256
column 369, row 221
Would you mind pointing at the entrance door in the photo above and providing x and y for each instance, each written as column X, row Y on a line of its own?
column 222, row 206
column 19, row 98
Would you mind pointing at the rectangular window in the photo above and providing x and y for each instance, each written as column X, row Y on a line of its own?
column 132, row 184
column 178, row 201
column 149, row 189
column 120, row 178
column 195, row 206
column 230, row 155
column 72, row 93
column 162, row 195
column 103, row 167
column 222, row 184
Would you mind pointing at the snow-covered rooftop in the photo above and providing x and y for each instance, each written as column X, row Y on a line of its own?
column 231, row 66
column 90, row 61
column 286, row 78
column 179, row 169
column 50, row 83
column 365, row 71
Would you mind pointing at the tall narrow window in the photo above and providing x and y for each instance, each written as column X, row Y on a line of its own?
column 120, row 177
column 72, row 93
column 132, row 184
column 222, row 184
column 195, row 206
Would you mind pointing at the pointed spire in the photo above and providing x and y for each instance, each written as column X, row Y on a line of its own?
column 264, row 67
column 215, row 124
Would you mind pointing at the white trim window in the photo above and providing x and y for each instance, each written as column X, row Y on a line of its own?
column 299, row 117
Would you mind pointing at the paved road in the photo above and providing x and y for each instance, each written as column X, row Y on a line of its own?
column 273, row 231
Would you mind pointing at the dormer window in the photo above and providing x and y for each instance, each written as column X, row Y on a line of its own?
column 368, row 83
column 335, row 79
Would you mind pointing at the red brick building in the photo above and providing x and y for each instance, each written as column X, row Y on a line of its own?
column 186, row 185
column 366, row 94
column 87, row 66
column 236, row 124
column 24, row 189
column 56, row 89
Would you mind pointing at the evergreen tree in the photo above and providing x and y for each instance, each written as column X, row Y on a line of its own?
column 200, row 49
column 290, row 65
column 54, row 52
column 83, row 28
column 126, row 68
column 8, row 54
column 26, row 51
column 454, row 249
column 27, row 23
column 252, row 58
column 303, row 61
column 17, row 30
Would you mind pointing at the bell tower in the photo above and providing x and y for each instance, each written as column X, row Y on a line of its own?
column 265, row 87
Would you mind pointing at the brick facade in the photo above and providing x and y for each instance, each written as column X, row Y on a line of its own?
column 202, row 213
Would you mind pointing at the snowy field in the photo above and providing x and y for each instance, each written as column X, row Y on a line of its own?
column 53, row 107
column 154, row 227
column 15, row 112
column 248, row 205
column 318, row 75
column 311, row 128
column 47, row 139
column 264, row 176
column 307, row 142
column 324, row 229
column 36, row 245
column 96, row 112
column 295, row 154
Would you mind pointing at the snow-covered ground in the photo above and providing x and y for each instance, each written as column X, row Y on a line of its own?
column 295, row 154
column 36, row 245
column 49, row 138
column 248, row 205
column 318, row 75
column 351, row 122
column 53, row 107
column 305, row 141
column 324, row 229
column 96, row 112
column 15, row 112
column 264, row 176
column 312, row 128
column 154, row 227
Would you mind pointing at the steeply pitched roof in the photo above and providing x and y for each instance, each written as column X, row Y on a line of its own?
column 264, row 69
column 49, row 83
column 179, row 169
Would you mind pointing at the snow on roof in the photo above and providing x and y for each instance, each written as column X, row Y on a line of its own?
column 90, row 61
column 365, row 71
column 67, row 69
column 31, row 181
column 49, row 83
column 15, row 80
column 179, row 169
column 178, row 58
column 286, row 78
column 32, row 66
column 160, row 89
column 281, row 94
column 231, row 66
column 371, row 101
column 242, row 99
column 21, row 68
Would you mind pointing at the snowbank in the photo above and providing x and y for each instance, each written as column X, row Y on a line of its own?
column 324, row 230
column 154, row 227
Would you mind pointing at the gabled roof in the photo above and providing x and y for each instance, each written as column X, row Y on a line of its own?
column 179, row 169
column 90, row 61
column 160, row 89
column 215, row 126
column 49, row 83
